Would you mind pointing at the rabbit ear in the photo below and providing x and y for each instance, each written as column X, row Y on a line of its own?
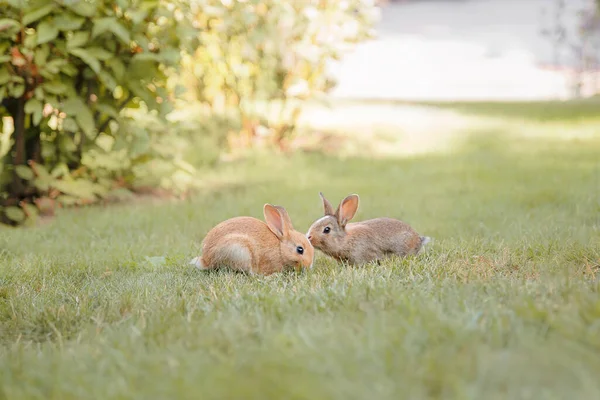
column 327, row 207
column 348, row 207
column 287, row 222
column 275, row 221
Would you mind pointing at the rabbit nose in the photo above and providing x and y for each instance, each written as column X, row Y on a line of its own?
column 309, row 237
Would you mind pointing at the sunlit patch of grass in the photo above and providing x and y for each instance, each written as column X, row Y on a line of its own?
column 100, row 302
column 584, row 110
column 390, row 129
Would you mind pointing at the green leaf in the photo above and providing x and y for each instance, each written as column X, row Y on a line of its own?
column 43, row 178
column 4, row 58
column 141, row 40
column 110, row 24
column 83, row 8
column 15, row 3
column 117, row 67
column 66, row 143
column 70, row 125
column 9, row 26
column 122, row 3
column 61, row 169
column 31, row 41
column 32, row 105
column 17, row 79
column 81, row 188
column 87, row 58
column 37, row 116
column 143, row 93
column 4, row 76
column 86, row 122
column 31, row 211
column 17, row 90
column 54, row 66
column 39, row 93
column 55, row 87
column 67, row 22
column 69, row 69
column 52, row 100
column 76, row 108
column 140, row 70
column 121, row 32
column 147, row 56
column 35, row 108
column 46, row 32
column 24, row 172
column 38, row 14
column 108, row 80
column 41, row 55
column 140, row 143
column 170, row 56
column 137, row 16
column 14, row 214
column 99, row 53
column 78, row 39
column 107, row 110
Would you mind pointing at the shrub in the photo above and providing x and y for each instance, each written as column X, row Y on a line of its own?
column 68, row 69
column 86, row 87
column 264, row 58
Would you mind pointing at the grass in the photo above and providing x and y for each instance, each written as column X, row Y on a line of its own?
column 100, row 303
column 537, row 111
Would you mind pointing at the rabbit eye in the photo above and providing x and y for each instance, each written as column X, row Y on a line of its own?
column 327, row 229
column 300, row 250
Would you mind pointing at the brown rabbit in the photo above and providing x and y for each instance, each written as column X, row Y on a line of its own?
column 361, row 242
column 248, row 244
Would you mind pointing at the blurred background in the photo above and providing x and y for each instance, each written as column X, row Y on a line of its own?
column 105, row 100
column 476, row 50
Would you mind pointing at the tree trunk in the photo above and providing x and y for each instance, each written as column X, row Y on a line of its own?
column 34, row 144
column 17, row 112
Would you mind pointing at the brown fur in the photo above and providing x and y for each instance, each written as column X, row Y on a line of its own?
column 362, row 242
column 251, row 245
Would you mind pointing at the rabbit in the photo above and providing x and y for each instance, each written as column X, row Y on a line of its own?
column 250, row 245
column 362, row 242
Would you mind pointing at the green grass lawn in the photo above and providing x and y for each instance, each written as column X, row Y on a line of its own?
column 100, row 302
